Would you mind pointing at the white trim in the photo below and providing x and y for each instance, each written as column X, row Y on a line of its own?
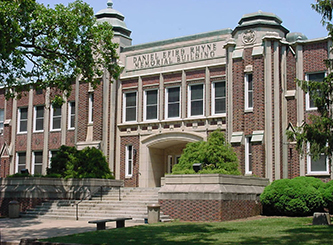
column 214, row 98
column 129, row 161
column 247, row 91
column 17, row 161
column 52, row 118
column 189, row 100
column 70, row 115
column 308, row 106
column 34, row 163
column 167, row 102
column 248, row 156
column 19, row 120
column 145, row 105
column 91, row 108
column 124, row 106
column 35, row 117
column 309, row 163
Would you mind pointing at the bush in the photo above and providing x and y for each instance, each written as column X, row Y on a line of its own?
column 72, row 163
column 300, row 196
column 215, row 155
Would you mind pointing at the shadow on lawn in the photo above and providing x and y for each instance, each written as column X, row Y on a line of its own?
column 308, row 235
column 176, row 234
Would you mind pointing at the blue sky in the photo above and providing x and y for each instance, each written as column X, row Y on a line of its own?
column 154, row 20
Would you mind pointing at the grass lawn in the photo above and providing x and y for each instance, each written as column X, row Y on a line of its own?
column 258, row 231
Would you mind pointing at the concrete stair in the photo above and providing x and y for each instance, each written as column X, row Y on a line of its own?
column 126, row 202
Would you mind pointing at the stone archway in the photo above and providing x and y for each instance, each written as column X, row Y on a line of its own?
column 159, row 153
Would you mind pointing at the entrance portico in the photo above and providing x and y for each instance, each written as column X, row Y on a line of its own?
column 159, row 153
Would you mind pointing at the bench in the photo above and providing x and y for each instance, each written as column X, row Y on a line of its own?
column 120, row 222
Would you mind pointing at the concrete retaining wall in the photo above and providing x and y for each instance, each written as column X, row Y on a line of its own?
column 211, row 197
column 30, row 192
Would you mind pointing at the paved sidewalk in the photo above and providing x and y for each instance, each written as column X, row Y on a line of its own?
column 13, row 230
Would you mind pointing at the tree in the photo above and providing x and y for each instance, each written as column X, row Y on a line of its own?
column 48, row 47
column 72, row 163
column 318, row 131
column 215, row 154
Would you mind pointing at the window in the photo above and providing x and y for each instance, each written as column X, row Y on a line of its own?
column 248, row 155
column 22, row 120
column 172, row 102
column 151, row 104
column 248, row 92
column 52, row 153
column 218, row 98
column 91, row 108
column 196, row 100
column 2, row 119
column 318, row 166
column 129, row 161
column 55, row 118
column 71, row 115
column 39, row 118
column 317, row 77
column 20, row 161
column 130, row 107
column 37, row 159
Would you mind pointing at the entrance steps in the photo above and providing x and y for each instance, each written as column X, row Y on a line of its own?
column 123, row 202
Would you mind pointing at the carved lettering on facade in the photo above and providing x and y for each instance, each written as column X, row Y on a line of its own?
column 175, row 56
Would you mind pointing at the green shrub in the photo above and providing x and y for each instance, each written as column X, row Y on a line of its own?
column 216, row 156
column 72, row 163
column 300, row 196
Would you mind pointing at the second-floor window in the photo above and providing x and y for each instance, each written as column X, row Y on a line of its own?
column 55, row 118
column 151, row 104
column 39, row 118
column 196, row 100
column 2, row 118
column 91, row 108
column 219, row 98
column 172, row 102
column 248, row 92
column 22, row 120
column 71, row 115
column 130, row 107
column 317, row 77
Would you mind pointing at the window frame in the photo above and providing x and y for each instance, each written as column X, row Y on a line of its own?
column 247, row 91
column 50, row 156
column 19, row 120
column 2, row 120
column 34, row 164
column 190, row 100
column 52, row 117
column 309, row 164
column 145, row 105
column 91, row 101
column 214, row 98
column 167, row 104
column 125, row 107
column 39, row 118
column 18, row 160
column 308, row 106
column 71, row 113
column 248, row 156
column 129, row 162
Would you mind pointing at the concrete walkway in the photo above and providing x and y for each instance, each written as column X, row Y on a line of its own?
column 13, row 230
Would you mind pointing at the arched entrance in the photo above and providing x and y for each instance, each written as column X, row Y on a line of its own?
column 159, row 153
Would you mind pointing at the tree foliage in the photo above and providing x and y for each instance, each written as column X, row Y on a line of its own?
column 215, row 154
column 318, row 129
column 49, row 47
column 72, row 163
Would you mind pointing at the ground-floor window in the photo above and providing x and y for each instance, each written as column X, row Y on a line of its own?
column 20, row 161
column 318, row 166
column 248, row 155
column 37, row 158
column 129, row 161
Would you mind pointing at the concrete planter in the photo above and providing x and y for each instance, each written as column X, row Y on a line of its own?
column 211, row 197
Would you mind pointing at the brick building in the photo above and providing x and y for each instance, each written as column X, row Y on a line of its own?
column 176, row 91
